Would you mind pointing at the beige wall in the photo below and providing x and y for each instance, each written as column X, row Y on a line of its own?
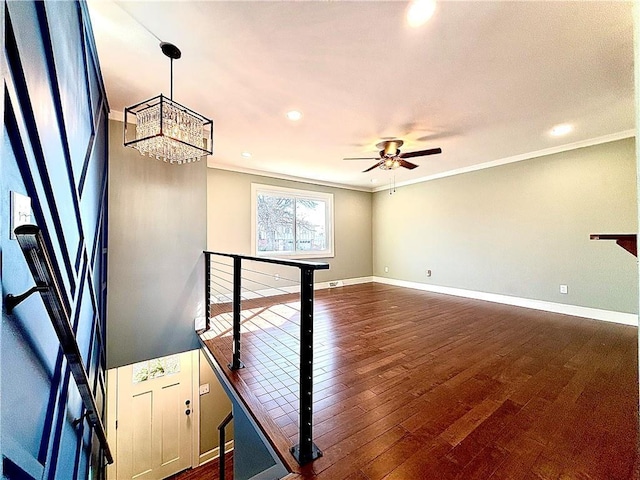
column 214, row 406
column 229, row 221
column 157, row 218
column 520, row 229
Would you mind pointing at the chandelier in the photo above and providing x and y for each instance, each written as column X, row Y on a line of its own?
column 166, row 130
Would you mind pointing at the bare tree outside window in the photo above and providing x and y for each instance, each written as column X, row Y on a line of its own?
column 290, row 224
column 310, row 225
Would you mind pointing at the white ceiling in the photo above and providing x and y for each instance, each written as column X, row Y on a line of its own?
column 485, row 81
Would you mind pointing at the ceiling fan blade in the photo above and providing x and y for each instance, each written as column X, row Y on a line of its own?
column 420, row 153
column 405, row 164
column 362, row 158
column 374, row 166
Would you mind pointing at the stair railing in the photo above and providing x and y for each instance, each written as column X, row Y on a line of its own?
column 39, row 262
column 221, row 429
column 305, row 451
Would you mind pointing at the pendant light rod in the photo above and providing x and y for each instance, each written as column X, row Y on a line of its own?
column 174, row 53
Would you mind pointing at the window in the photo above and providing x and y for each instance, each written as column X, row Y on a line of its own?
column 158, row 367
column 291, row 223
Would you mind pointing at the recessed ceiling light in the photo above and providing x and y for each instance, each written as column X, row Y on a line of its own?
column 374, row 180
column 560, row 130
column 294, row 115
column 246, row 155
column 420, row 11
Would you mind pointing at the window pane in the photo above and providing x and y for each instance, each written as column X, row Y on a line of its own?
column 158, row 367
column 275, row 217
column 291, row 222
column 310, row 225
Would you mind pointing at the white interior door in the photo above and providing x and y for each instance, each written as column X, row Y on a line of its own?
column 155, row 412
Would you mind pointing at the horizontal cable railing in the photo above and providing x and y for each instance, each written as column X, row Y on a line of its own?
column 265, row 306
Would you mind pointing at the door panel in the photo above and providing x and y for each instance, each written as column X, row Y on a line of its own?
column 154, row 436
column 170, row 406
column 141, row 423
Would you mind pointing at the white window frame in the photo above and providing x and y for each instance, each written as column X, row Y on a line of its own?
column 257, row 188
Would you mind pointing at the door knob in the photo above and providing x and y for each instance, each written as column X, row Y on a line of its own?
column 187, row 411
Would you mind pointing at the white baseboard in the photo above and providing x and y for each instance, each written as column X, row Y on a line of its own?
column 214, row 453
column 344, row 282
column 574, row 310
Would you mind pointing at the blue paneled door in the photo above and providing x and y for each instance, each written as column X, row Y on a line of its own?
column 54, row 150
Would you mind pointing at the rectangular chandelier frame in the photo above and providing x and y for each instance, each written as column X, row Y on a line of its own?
column 164, row 103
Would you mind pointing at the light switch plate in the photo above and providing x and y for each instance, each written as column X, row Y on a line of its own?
column 20, row 211
column 204, row 388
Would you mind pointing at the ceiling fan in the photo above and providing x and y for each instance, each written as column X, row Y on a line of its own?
column 391, row 157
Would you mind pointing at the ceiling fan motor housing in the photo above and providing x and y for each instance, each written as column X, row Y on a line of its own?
column 390, row 148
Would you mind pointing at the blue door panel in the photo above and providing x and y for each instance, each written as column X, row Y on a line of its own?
column 84, row 322
column 68, row 53
column 28, row 154
column 66, row 456
column 24, row 408
column 54, row 149
column 96, row 88
column 38, row 103
column 94, row 186
column 17, row 278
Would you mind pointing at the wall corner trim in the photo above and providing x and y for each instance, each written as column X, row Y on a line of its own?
column 573, row 310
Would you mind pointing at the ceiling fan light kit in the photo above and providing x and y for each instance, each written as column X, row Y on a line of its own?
column 390, row 164
column 165, row 129
column 391, row 157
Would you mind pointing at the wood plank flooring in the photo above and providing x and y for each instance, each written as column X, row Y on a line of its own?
column 208, row 471
column 415, row 385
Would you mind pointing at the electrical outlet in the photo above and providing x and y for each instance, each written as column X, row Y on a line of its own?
column 276, row 277
column 204, row 389
column 564, row 289
column 386, row 269
column 428, row 273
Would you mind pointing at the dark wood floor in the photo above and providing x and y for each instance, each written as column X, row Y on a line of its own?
column 208, row 471
column 414, row 385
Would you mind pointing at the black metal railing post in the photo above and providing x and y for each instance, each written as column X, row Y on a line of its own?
column 237, row 309
column 222, row 447
column 306, row 451
column 207, row 289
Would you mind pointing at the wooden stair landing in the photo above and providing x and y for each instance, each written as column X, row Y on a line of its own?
column 415, row 385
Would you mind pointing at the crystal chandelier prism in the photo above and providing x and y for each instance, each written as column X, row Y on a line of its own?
column 165, row 129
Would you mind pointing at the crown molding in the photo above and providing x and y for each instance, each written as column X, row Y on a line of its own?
column 517, row 158
column 119, row 116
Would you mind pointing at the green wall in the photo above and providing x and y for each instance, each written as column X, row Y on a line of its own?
column 157, row 232
column 229, row 221
column 214, row 406
column 520, row 229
